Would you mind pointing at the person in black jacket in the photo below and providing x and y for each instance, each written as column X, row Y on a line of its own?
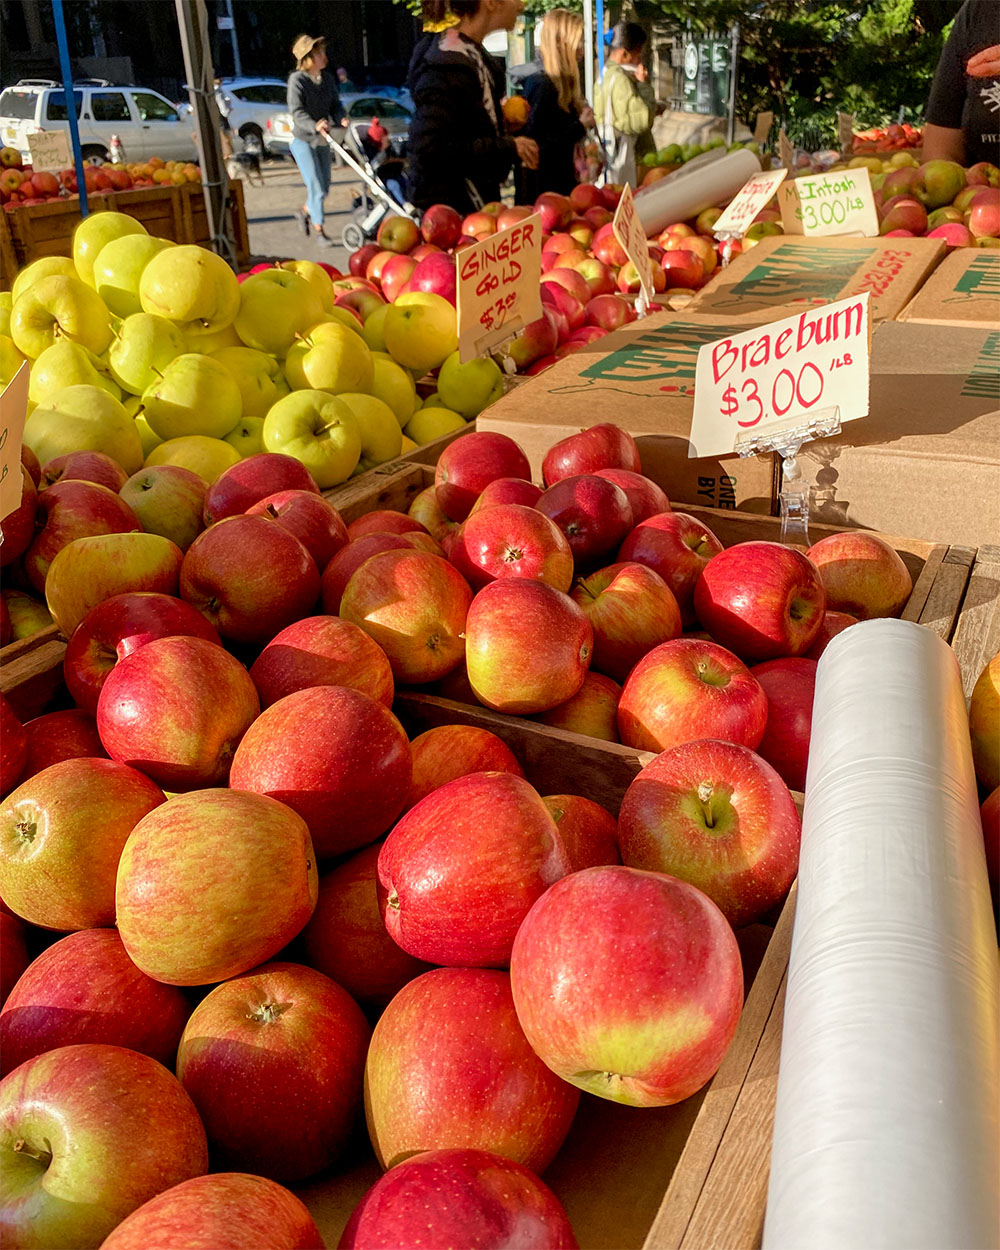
column 458, row 150
column 559, row 114
column 963, row 112
column 314, row 103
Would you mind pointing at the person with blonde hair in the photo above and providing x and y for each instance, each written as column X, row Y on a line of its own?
column 559, row 114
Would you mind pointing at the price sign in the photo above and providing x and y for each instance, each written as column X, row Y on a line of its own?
column 49, row 149
column 749, row 200
column 762, row 129
column 13, row 410
column 839, row 202
column 629, row 231
column 775, row 376
column 499, row 289
column 845, row 131
column 786, row 153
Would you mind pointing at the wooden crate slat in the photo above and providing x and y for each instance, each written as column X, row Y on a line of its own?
column 944, row 599
column 700, row 1162
column 31, row 680
column 393, row 486
column 977, row 635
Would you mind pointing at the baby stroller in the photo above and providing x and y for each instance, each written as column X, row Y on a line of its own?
column 375, row 200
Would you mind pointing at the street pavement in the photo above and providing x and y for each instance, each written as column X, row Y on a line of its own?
column 275, row 232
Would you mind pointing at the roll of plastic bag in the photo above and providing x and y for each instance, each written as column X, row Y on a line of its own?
column 886, row 1133
column 682, row 195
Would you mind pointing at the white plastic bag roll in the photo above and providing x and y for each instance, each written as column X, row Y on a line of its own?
column 685, row 193
column 887, row 1125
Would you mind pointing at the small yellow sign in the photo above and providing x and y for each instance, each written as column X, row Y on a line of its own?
column 49, row 150
column 13, row 411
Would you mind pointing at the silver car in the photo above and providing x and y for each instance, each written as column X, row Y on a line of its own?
column 394, row 114
column 249, row 104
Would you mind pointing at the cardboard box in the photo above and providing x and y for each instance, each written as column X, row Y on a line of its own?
column 785, row 273
column 926, row 461
column 963, row 291
column 641, row 377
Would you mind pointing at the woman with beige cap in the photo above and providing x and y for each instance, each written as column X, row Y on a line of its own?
column 314, row 104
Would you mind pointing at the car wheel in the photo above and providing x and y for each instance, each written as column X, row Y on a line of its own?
column 94, row 154
column 252, row 130
column 352, row 236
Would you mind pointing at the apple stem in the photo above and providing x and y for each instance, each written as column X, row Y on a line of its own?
column 705, row 796
column 21, row 1147
column 331, row 425
column 393, row 901
column 267, row 1013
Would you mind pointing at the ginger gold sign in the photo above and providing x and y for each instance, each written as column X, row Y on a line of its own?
column 781, row 372
column 13, row 411
column 499, row 290
column 628, row 230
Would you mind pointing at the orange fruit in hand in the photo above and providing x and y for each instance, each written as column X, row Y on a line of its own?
column 515, row 111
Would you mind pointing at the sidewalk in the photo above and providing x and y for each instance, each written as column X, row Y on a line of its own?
column 275, row 232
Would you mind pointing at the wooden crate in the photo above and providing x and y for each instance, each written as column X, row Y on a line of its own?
column 168, row 212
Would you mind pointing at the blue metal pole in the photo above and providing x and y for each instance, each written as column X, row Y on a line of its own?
column 67, row 78
column 599, row 33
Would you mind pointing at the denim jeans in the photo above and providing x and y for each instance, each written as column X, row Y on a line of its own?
column 314, row 166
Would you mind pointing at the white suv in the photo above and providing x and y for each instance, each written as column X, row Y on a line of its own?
column 145, row 121
column 250, row 103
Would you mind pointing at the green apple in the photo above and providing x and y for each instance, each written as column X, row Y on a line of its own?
column 427, row 424
column 319, row 430
column 28, row 615
column 64, row 364
column 373, row 331
column 191, row 286
column 330, row 358
column 169, row 501
column 59, row 307
column 208, row 457
column 10, row 359
column 93, row 233
column 421, row 334
column 433, row 400
column 316, row 276
column 469, row 388
column 381, row 437
column 205, row 342
column 394, row 386
column 6, row 304
column 276, row 308
column 258, row 376
column 195, row 395
column 143, row 347
column 84, row 418
column 118, row 270
column 44, row 267
column 247, row 436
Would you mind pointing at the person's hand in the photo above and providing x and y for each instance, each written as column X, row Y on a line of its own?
column 586, row 117
column 527, row 151
column 985, row 64
column 323, row 126
column 641, row 74
column 345, row 122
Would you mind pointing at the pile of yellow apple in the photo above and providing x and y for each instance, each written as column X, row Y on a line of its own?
column 156, row 353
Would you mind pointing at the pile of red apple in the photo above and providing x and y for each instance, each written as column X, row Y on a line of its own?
column 940, row 200
column 20, row 185
column 511, row 949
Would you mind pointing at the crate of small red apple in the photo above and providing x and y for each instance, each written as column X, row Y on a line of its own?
column 588, row 283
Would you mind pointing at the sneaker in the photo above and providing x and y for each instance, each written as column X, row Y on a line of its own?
column 323, row 240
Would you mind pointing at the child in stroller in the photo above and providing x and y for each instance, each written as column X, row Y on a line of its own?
column 371, row 152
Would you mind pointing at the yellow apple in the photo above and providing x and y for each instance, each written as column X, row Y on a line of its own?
column 421, row 334
column 408, row 445
column 147, row 438
column 64, row 364
column 316, row 276
column 143, row 346
column 208, row 457
column 276, row 307
column 198, row 339
column 118, row 270
column 984, row 725
column 394, row 386
column 471, row 387
column 247, row 437
column 319, row 430
column 59, row 307
column 94, row 233
column 427, row 424
column 257, row 374
column 330, row 358
column 44, row 267
column 345, row 317
column 84, row 418
column 192, row 287
column 381, row 437
column 195, row 395
column 373, row 331
column 10, row 359
column 6, row 304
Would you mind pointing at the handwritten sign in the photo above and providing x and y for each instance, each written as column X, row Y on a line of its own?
column 13, row 410
column 755, row 193
column 776, row 375
column 499, row 289
column 629, row 231
column 837, row 202
column 49, row 149
column 786, row 152
column 762, row 129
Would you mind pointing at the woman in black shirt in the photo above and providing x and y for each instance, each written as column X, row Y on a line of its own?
column 559, row 114
column 314, row 104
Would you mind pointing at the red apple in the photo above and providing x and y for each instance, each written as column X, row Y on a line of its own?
column 414, row 605
column 449, row 1067
column 227, row 1211
column 584, row 196
column 990, row 815
column 903, row 212
column 168, row 500
column 13, row 747
column 398, row 234
column 628, row 984
column 441, row 225
column 459, row 1198
column 426, row 249
column 555, row 210
column 593, row 513
column 609, row 312
column 597, row 216
column 346, row 938
column 762, row 600
column 462, row 868
column 507, row 490
column 362, row 300
column 589, row 832
column 56, row 736
column 833, row 624
column 68, row 510
column 512, row 215
column 676, row 546
column 384, row 521
column 592, row 711
column 687, row 689
column 607, row 248
column 538, row 338
column 600, row 278
column 468, row 465
column 682, row 268
column 18, row 527
column 253, row 479
column 84, row 466
column 64, row 833
column 719, row 817
column 336, row 757
column 646, row 498
column 373, row 273
column 213, row 883
column 511, row 540
column 260, row 1048
column 359, row 260
column 984, row 213
column 631, row 610
column 395, row 275
column 176, row 708
column 598, row 447
column 426, row 510
column 66, row 1113
column 314, row 521
column 565, row 312
column 527, row 646
column 349, row 559
column 84, row 988
column 789, row 685
column 862, row 574
column 448, row 751
column 561, row 242
column 629, row 283
column 437, row 275
column 114, row 629
column 478, row 225
column 322, row 651
column 571, row 281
